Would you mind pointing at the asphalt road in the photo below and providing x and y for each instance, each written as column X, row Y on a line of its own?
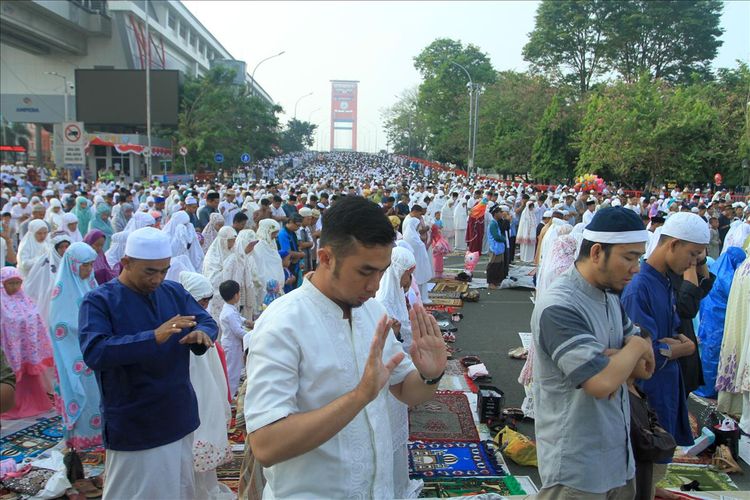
column 490, row 329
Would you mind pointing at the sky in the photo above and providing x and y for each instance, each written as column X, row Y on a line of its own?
column 376, row 42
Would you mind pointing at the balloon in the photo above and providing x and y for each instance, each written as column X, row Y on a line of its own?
column 718, row 178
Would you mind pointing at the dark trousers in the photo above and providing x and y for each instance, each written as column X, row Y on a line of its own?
column 496, row 269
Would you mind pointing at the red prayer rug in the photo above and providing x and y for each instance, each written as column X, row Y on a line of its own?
column 448, row 417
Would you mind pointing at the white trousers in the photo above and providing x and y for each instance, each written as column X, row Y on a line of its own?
column 460, row 235
column 161, row 473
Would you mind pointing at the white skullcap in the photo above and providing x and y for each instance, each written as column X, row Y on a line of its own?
column 616, row 202
column 191, row 201
column 305, row 212
column 196, row 284
column 547, row 214
column 687, row 226
column 148, row 243
column 24, row 199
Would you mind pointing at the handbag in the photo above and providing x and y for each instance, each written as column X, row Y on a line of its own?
column 651, row 443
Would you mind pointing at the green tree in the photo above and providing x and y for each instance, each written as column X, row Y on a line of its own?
column 405, row 126
column 443, row 100
column 646, row 132
column 298, row 136
column 553, row 157
column 667, row 39
column 569, row 41
column 509, row 115
column 218, row 116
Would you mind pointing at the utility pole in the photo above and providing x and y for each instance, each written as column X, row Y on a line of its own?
column 477, row 91
column 148, row 94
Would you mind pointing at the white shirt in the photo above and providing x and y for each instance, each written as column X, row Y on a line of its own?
column 303, row 355
column 278, row 212
column 587, row 216
column 232, row 326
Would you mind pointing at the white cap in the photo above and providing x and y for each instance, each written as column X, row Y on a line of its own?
column 547, row 214
column 687, row 226
column 305, row 212
column 191, row 201
column 148, row 243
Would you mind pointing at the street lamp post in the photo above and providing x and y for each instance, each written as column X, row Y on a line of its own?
column 252, row 77
column 477, row 91
column 65, row 82
column 298, row 100
column 311, row 113
column 472, row 111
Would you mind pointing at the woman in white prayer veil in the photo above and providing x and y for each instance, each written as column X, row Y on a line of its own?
column 391, row 294
column 213, row 265
column 241, row 267
column 70, row 226
column 211, row 447
column 215, row 222
column 138, row 221
column 184, row 240
column 460, row 223
column 527, row 233
column 267, row 254
column 33, row 247
column 423, row 272
column 249, row 206
column 560, row 257
column 653, row 242
column 41, row 278
column 54, row 215
column 737, row 235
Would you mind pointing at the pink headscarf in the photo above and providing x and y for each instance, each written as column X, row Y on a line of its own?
column 102, row 272
column 25, row 340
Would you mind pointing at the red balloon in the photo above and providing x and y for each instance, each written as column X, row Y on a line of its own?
column 718, row 178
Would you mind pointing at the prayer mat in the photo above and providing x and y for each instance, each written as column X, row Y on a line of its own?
column 32, row 440
column 441, row 308
column 459, row 487
column 445, row 418
column 450, row 286
column 456, row 459
column 236, row 434
column 444, row 295
column 454, row 383
column 709, row 479
column 454, row 367
column 447, row 302
column 229, row 473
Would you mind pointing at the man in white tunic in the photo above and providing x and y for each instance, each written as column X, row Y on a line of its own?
column 320, row 361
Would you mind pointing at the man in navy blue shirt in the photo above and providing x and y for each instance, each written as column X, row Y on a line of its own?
column 137, row 333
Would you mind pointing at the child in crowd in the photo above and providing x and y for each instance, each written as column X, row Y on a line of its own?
column 233, row 330
column 290, row 280
column 714, row 245
column 440, row 246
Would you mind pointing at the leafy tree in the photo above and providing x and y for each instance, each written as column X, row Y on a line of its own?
column 646, row 132
column 569, row 41
column 405, row 125
column 218, row 116
column 666, row 39
column 552, row 156
column 509, row 113
column 443, row 100
column 298, row 136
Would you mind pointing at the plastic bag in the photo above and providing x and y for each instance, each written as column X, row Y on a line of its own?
column 517, row 447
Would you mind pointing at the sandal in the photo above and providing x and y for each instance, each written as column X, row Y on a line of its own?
column 518, row 353
column 98, row 481
column 467, row 361
column 724, row 461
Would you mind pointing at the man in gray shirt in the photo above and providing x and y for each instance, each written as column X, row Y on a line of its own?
column 585, row 350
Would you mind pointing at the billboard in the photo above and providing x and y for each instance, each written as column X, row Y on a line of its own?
column 118, row 96
column 344, row 115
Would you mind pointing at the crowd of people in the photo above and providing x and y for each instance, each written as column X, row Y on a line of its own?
column 148, row 310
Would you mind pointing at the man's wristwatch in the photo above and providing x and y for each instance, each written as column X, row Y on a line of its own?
column 431, row 381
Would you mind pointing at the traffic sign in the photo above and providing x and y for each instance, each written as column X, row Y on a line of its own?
column 74, row 143
column 219, row 158
column 245, row 158
column 183, row 150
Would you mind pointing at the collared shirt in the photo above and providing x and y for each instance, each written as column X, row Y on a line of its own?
column 147, row 398
column 582, row 442
column 293, row 368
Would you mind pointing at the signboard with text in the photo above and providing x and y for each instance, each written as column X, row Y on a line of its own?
column 74, row 145
column 344, row 115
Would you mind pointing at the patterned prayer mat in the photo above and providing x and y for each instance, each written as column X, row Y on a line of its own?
column 32, row 440
column 459, row 487
column 445, row 418
column 709, row 479
column 447, row 302
column 455, row 459
column 449, row 286
column 229, row 473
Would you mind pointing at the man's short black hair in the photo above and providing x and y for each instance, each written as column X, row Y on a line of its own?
column 355, row 219
column 239, row 218
column 212, row 196
column 277, row 198
column 265, row 202
column 296, row 218
column 585, row 251
column 229, row 289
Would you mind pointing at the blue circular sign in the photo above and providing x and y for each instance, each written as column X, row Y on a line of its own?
column 219, row 158
column 245, row 158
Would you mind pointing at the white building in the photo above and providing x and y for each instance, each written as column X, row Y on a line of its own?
column 43, row 42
